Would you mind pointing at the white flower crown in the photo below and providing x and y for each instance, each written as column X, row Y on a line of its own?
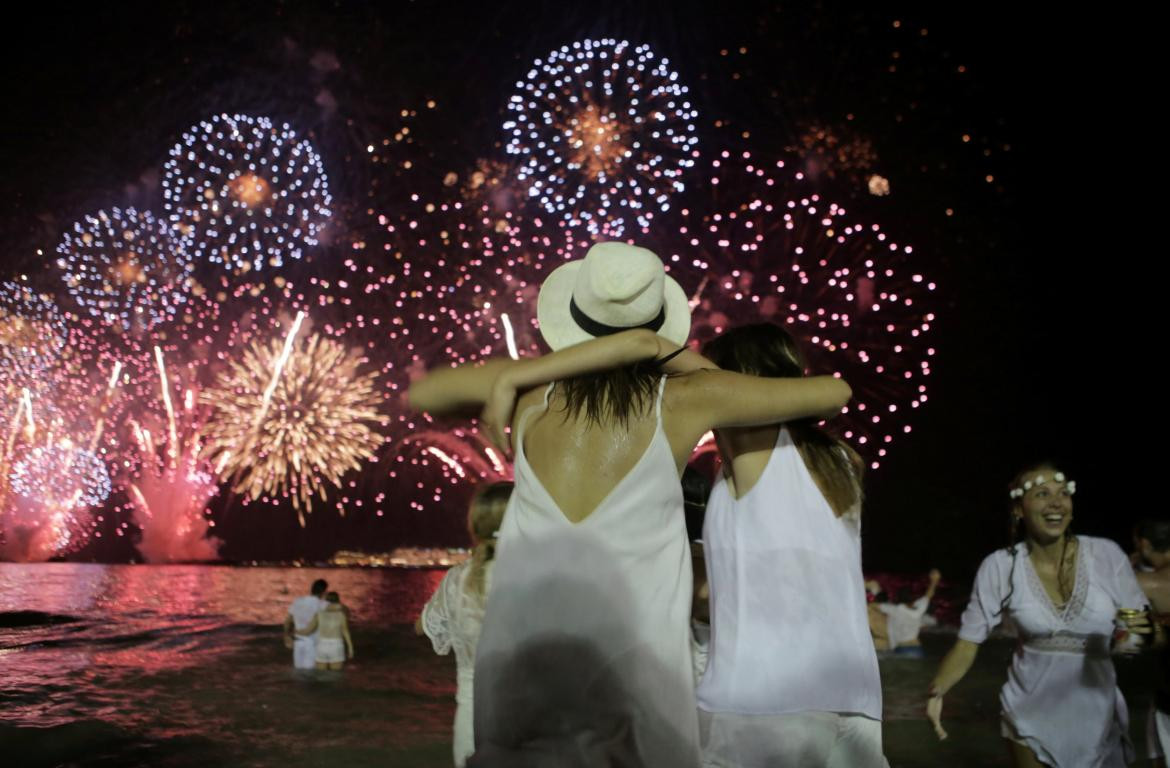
column 1069, row 485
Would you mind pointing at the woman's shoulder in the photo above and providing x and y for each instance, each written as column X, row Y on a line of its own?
column 456, row 573
column 1102, row 548
column 1001, row 559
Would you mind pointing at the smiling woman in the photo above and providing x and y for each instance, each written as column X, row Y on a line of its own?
column 1062, row 593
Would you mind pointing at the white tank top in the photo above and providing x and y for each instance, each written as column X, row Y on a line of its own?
column 789, row 629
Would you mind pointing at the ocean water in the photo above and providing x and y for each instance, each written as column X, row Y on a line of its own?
column 184, row 665
column 106, row 665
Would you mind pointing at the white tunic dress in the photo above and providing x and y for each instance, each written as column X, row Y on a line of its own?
column 1061, row 697
column 585, row 653
column 453, row 619
column 789, row 628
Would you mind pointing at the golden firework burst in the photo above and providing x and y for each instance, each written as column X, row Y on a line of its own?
column 290, row 417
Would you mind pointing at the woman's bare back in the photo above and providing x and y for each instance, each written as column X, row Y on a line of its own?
column 579, row 463
column 331, row 622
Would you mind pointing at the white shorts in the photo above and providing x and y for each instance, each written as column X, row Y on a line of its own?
column 822, row 739
column 330, row 650
column 304, row 652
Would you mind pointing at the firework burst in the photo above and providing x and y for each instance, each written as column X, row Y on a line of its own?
column 52, row 488
column 290, row 417
column 603, row 132
column 245, row 192
column 774, row 250
column 126, row 268
column 172, row 486
column 32, row 335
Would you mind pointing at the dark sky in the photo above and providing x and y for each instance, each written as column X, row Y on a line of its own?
column 1036, row 342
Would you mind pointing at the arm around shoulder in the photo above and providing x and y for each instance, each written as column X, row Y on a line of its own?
column 735, row 400
column 449, row 390
column 445, row 391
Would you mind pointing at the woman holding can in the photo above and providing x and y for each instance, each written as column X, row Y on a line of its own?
column 1073, row 600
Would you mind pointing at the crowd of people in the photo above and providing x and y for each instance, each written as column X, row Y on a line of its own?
column 590, row 629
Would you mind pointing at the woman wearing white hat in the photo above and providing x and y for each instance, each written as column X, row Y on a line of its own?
column 585, row 653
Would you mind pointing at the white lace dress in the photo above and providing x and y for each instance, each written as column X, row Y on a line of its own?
column 1061, row 697
column 452, row 619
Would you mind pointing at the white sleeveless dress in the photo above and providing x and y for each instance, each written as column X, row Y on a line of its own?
column 585, row 656
column 792, row 676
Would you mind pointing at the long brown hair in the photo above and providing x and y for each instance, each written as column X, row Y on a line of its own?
column 768, row 350
column 484, row 517
column 612, row 396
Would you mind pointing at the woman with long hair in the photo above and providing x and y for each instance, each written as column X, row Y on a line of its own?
column 1060, row 705
column 453, row 617
column 792, row 676
column 585, row 653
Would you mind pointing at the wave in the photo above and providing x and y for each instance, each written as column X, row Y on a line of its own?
column 20, row 619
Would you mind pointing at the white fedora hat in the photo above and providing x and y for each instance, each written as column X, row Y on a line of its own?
column 616, row 287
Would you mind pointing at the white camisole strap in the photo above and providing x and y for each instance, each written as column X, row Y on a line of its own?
column 658, row 401
column 523, row 420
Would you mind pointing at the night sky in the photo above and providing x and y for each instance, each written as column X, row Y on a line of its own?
column 1035, row 351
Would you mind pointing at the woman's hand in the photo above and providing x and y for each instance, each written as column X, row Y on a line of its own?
column 496, row 417
column 934, row 707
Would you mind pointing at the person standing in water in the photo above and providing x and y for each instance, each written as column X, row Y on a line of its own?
column 300, row 614
column 334, row 645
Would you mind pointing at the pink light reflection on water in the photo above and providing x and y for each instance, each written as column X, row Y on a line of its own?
column 185, row 650
column 236, row 595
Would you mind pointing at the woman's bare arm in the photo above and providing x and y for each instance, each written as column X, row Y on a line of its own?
column 447, row 390
column 953, row 668
column 727, row 399
column 495, row 385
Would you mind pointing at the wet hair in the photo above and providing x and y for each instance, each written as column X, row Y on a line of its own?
column 765, row 349
column 696, row 488
column 484, row 517
column 1157, row 532
column 333, row 597
column 1017, row 537
column 319, row 587
column 612, row 396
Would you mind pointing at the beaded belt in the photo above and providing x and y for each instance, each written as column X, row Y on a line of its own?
column 1070, row 642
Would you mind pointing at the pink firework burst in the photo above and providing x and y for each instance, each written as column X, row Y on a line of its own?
column 770, row 248
column 169, row 485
